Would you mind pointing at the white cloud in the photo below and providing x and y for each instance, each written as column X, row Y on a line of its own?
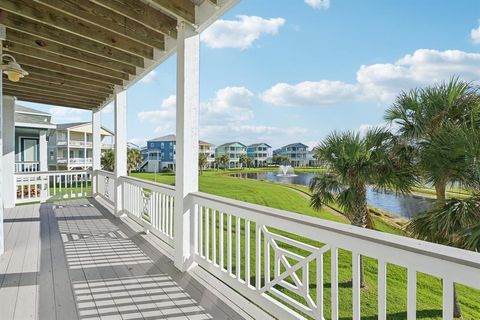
column 380, row 82
column 240, row 33
column 166, row 112
column 66, row 115
column 475, row 35
column 149, row 77
column 310, row 93
column 230, row 105
column 318, row 4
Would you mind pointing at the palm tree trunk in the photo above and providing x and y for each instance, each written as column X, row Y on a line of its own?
column 441, row 191
column 359, row 219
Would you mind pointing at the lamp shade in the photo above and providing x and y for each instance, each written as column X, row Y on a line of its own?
column 14, row 71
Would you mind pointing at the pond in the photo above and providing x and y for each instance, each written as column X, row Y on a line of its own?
column 406, row 206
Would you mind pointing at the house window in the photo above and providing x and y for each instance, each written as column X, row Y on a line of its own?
column 162, row 144
column 52, row 157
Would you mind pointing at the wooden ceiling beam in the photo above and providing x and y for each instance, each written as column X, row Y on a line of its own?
column 48, row 75
column 43, row 44
column 62, row 90
column 108, row 19
column 43, row 14
column 87, row 76
column 181, row 9
column 19, row 89
column 24, row 25
column 46, row 100
column 143, row 13
column 15, row 48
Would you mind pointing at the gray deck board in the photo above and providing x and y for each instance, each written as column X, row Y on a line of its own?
column 74, row 260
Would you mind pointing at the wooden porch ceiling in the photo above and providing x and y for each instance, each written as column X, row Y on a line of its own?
column 77, row 51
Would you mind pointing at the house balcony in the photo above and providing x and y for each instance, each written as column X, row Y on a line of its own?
column 27, row 166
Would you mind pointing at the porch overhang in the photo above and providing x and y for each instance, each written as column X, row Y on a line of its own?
column 78, row 52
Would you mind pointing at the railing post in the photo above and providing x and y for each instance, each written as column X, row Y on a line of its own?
column 43, row 157
column 186, row 181
column 120, row 146
column 96, row 148
column 3, row 36
column 8, row 151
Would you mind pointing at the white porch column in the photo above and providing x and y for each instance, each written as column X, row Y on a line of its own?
column 43, row 157
column 68, row 149
column 96, row 146
column 186, row 181
column 8, row 162
column 120, row 146
column 3, row 35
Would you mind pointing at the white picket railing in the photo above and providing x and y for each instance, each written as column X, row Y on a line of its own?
column 33, row 166
column 105, row 185
column 150, row 204
column 43, row 186
column 279, row 259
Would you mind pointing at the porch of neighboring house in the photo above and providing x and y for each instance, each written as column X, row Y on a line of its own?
column 118, row 247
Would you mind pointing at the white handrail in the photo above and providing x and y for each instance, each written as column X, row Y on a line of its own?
column 287, row 246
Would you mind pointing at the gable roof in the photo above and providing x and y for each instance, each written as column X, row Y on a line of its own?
column 82, row 127
column 296, row 144
column 23, row 109
column 230, row 143
column 168, row 137
column 259, row 144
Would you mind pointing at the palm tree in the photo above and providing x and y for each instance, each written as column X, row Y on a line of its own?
column 422, row 114
column 202, row 162
column 353, row 164
column 243, row 160
column 108, row 160
column 134, row 158
column 224, row 160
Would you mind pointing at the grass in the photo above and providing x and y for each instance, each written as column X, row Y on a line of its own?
column 429, row 289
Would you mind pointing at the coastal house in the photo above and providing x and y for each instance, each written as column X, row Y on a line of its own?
column 260, row 153
column 70, row 146
column 32, row 129
column 160, row 153
column 296, row 153
column 234, row 150
column 118, row 247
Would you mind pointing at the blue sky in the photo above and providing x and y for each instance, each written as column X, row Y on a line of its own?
column 293, row 70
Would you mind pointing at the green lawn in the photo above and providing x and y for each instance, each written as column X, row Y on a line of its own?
column 429, row 295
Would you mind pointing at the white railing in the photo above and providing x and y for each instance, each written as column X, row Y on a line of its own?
column 33, row 166
column 43, row 186
column 150, row 204
column 105, row 185
column 282, row 260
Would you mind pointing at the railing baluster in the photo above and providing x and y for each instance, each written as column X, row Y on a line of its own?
column 207, row 233
column 221, row 244
column 448, row 299
column 411, row 294
column 229, row 243
column 266, row 258
column 258, row 255
column 334, row 282
column 238, row 263
column 214, row 237
column 356, row 285
column 247, row 252
column 319, row 282
column 382, row 290
column 200, row 229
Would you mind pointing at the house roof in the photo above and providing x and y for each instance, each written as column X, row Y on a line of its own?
column 25, row 120
column 259, row 144
column 172, row 137
column 78, row 52
column 23, row 109
column 82, row 127
column 295, row 145
column 230, row 143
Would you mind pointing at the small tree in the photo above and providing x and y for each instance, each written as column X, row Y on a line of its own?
column 243, row 160
column 134, row 158
column 202, row 162
column 225, row 159
column 108, row 160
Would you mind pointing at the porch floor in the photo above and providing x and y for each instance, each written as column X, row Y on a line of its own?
column 74, row 260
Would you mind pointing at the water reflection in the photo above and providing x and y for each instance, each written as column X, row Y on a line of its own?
column 406, row 206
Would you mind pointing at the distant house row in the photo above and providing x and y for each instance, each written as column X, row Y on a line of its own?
column 41, row 145
column 160, row 154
